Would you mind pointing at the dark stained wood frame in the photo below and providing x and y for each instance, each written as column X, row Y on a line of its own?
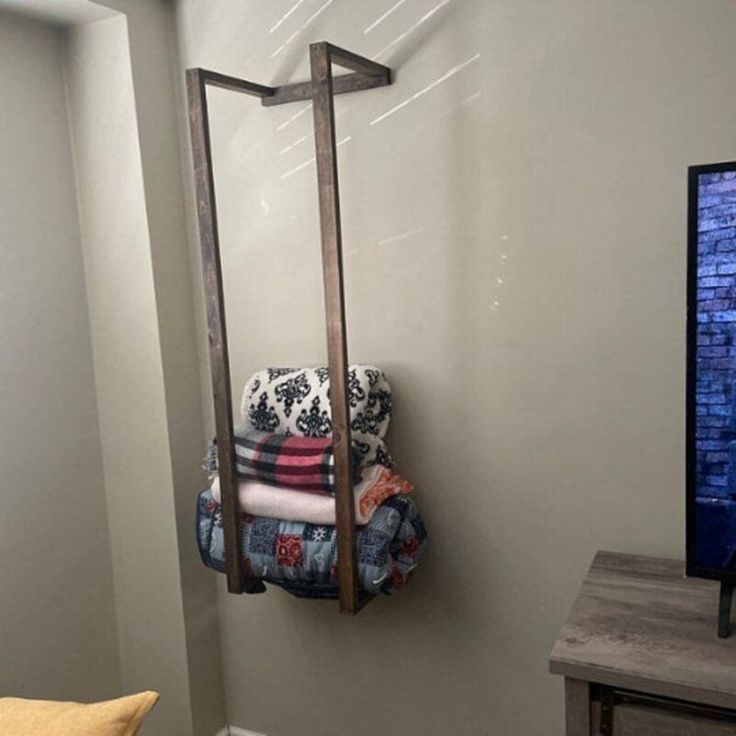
column 321, row 89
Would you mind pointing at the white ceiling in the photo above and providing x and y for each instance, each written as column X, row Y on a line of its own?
column 59, row 12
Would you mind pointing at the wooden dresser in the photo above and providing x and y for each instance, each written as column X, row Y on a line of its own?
column 640, row 656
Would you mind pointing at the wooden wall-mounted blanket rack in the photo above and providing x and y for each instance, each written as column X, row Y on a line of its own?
column 321, row 89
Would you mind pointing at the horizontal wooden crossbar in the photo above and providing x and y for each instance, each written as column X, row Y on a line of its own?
column 340, row 85
column 366, row 74
column 349, row 60
column 215, row 79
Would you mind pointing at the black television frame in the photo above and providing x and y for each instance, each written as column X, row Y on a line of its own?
column 727, row 577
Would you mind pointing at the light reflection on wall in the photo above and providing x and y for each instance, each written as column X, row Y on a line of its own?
column 294, row 117
column 411, row 29
column 297, row 142
column 305, row 138
column 383, row 17
column 285, row 16
column 308, row 22
column 444, row 77
column 304, row 165
column 300, row 16
column 498, row 281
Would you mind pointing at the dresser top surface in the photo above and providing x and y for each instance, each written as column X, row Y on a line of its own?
column 639, row 623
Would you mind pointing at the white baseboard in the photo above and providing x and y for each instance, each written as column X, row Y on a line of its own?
column 235, row 731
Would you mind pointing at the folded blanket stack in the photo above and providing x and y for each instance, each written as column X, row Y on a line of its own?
column 285, row 468
column 296, row 401
column 263, row 499
column 302, row 558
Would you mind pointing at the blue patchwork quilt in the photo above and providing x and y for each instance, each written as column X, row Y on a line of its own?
column 302, row 558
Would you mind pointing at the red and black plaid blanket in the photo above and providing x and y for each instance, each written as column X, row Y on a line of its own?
column 299, row 463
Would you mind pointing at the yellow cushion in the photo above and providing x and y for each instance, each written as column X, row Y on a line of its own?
column 121, row 717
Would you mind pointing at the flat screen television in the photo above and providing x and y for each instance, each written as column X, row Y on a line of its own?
column 711, row 374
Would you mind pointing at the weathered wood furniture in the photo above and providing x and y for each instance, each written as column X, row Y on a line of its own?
column 321, row 89
column 640, row 655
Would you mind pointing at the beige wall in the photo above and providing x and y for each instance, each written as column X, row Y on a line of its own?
column 124, row 126
column 514, row 220
column 58, row 635
column 154, row 52
column 128, row 368
column 110, row 400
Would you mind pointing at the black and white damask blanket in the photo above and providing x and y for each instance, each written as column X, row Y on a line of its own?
column 296, row 401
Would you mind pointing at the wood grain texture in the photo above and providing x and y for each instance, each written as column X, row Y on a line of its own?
column 237, row 582
column 300, row 91
column 223, row 81
column 577, row 707
column 639, row 624
column 329, row 214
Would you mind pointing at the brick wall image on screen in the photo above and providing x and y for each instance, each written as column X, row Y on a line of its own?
column 716, row 374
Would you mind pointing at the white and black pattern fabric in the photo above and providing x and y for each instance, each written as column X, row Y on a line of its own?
column 372, row 451
column 296, row 401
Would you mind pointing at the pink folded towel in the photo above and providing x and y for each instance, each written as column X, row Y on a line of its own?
column 260, row 499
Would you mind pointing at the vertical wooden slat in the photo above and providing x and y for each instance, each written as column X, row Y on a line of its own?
column 329, row 211
column 237, row 582
column 577, row 707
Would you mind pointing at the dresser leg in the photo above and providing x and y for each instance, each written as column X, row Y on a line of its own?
column 725, row 601
column 577, row 707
